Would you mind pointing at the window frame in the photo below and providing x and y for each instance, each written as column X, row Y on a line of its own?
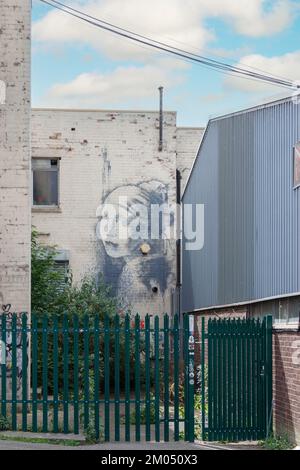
column 46, row 206
column 295, row 149
column 261, row 309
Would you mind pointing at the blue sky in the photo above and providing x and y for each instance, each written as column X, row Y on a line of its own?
column 78, row 66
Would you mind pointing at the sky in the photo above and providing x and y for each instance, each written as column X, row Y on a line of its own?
column 76, row 65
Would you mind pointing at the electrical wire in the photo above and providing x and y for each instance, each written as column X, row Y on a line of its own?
column 161, row 46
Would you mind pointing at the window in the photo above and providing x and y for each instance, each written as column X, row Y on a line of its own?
column 62, row 268
column 285, row 311
column 45, row 182
column 289, row 310
column 297, row 165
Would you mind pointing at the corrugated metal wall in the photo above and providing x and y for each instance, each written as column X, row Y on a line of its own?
column 244, row 177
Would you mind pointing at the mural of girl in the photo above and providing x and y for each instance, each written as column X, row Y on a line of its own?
column 140, row 268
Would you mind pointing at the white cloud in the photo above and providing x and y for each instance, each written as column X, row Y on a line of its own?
column 175, row 21
column 254, row 18
column 159, row 19
column 285, row 66
column 178, row 22
column 125, row 84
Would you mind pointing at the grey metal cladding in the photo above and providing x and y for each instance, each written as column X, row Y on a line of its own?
column 244, row 177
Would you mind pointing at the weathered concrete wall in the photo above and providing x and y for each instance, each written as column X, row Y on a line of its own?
column 104, row 155
column 15, row 153
column 188, row 143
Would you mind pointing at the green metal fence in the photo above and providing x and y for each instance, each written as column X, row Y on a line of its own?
column 237, row 388
column 119, row 378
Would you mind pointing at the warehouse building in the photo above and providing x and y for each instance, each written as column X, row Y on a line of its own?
column 247, row 176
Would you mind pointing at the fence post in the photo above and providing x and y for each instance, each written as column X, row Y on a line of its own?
column 166, row 378
column 3, row 365
column 148, row 378
column 269, row 373
column 45, row 372
column 24, row 372
column 190, row 376
column 157, row 379
column 203, row 377
column 176, row 377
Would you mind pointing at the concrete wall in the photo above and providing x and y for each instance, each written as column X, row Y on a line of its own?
column 104, row 155
column 15, row 153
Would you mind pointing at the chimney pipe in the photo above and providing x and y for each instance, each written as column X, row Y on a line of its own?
column 161, row 119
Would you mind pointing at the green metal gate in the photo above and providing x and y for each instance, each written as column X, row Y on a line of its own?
column 236, row 379
column 116, row 378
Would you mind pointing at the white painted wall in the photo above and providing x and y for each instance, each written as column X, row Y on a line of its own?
column 188, row 143
column 15, row 153
column 109, row 150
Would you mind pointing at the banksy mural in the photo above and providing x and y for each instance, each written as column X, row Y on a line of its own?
column 136, row 257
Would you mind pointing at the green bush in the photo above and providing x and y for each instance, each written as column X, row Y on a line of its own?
column 51, row 295
column 277, row 443
column 54, row 298
column 4, row 424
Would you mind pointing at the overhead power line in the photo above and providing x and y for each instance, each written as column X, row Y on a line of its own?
column 164, row 47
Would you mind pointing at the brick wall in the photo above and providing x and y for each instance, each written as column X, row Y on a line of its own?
column 188, row 143
column 15, row 154
column 104, row 154
column 234, row 312
column 286, row 369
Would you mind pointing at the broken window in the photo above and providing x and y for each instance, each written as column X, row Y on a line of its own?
column 62, row 268
column 45, row 182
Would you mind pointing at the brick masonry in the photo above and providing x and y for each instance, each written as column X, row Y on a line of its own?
column 188, row 143
column 286, row 369
column 104, row 155
column 238, row 312
column 15, row 18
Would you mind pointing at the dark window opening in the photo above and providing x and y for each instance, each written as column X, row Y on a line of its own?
column 62, row 268
column 45, row 182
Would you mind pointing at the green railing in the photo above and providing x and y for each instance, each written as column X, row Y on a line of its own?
column 237, row 392
column 119, row 378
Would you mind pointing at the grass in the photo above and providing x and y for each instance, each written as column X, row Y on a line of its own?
column 277, row 443
column 37, row 440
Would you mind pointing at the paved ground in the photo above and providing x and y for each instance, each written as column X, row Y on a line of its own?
column 10, row 445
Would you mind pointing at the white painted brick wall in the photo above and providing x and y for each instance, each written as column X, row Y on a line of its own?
column 108, row 149
column 15, row 18
column 188, row 143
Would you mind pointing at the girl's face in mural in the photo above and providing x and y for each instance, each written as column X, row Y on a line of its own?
column 132, row 213
column 116, row 245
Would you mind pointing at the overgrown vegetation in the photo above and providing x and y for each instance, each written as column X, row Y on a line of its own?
column 54, row 298
column 277, row 443
column 197, row 401
column 143, row 413
column 52, row 294
column 4, row 424
column 39, row 440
